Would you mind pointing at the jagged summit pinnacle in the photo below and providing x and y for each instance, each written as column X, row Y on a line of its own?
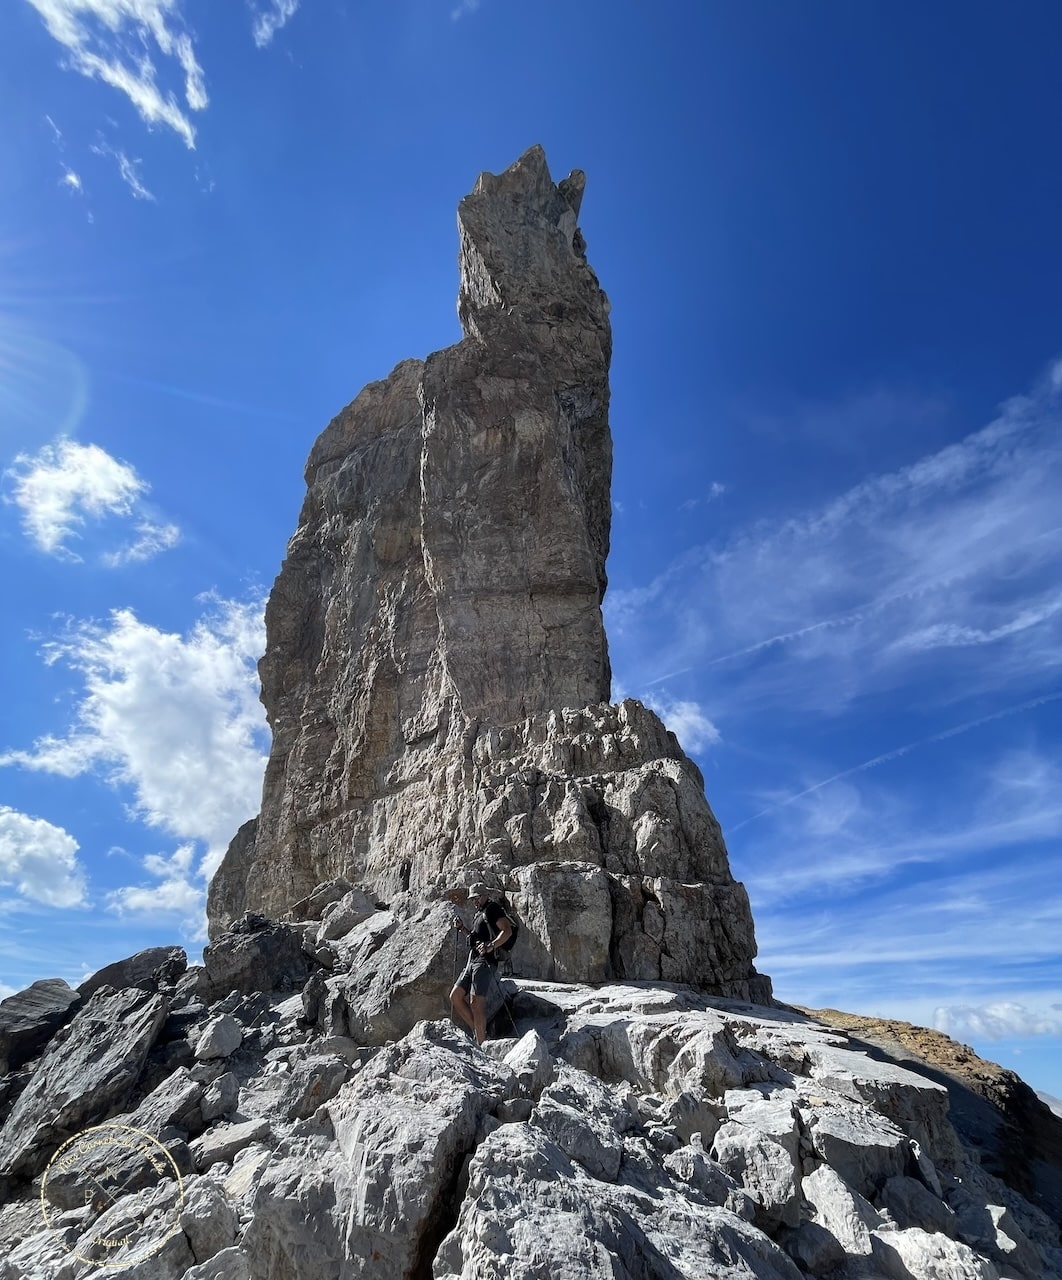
column 521, row 246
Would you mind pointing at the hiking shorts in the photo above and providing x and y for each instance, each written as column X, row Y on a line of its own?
column 476, row 977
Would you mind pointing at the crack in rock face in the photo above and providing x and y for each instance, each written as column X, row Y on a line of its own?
column 436, row 672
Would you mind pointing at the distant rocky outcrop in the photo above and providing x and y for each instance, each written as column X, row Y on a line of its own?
column 436, row 673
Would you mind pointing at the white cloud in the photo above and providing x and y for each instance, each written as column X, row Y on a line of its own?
column 72, row 180
column 111, row 40
column 128, row 169
column 151, row 539
column 996, row 1021
column 687, row 721
column 863, row 834
column 897, row 753
column 40, row 860
column 879, row 899
column 465, row 8
column 176, row 718
column 715, row 490
column 66, row 484
column 946, row 568
column 174, row 894
column 269, row 19
column 58, row 487
column 6, row 991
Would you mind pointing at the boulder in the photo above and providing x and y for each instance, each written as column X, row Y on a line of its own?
column 29, row 1019
column 918, row 1255
column 268, row 958
column 177, row 1100
column 692, row 1165
column 84, row 1075
column 221, row 1143
column 841, row 1212
column 765, row 1169
column 341, row 916
column 530, row 1061
column 315, row 1080
column 220, row 1037
column 299, row 1206
column 862, row 1146
column 208, row 1219
column 136, row 1237
column 315, row 904
column 915, row 1104
column 138, row 970
column 404, row 1125
column 406, row 981
column 529, row 1212
column 579, row 1114
column 229, row 1264
column 221, row 1097
column 911, row 1204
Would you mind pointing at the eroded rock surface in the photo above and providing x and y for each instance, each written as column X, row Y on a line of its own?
column 436, row 673
column 634, row 1129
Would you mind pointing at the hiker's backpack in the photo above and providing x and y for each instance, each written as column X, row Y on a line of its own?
column 510, row 915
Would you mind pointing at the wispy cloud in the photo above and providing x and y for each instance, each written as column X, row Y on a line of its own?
column 151, row 539
column 877, row 896
column 128, row 169
column 843, row 425
column 70, row 179
column 943, row 571
column 269, row 17
column 864, row 835
column 112, row 41
column 687, row 720
column 66, row 485
column 176, row 718
column 995, row 1021
column 715, row 490
column 464, row 9
column 40, row 860
column 898, row 753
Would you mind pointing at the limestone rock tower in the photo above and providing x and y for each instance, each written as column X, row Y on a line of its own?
column 436, row 673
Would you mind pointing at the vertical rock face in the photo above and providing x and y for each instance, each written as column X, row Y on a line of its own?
column 436, row 673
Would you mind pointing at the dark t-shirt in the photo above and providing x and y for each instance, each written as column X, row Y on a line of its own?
column 485, row 929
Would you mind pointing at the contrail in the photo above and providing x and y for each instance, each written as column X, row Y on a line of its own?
column 897, row 752
column 197, row 397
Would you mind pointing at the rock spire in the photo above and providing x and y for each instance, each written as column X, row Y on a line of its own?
column 436, row 673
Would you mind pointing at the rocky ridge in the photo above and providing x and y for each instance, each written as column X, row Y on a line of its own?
column 436, row 673
column 321, row 1121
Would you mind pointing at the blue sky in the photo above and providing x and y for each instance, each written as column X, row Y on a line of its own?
column 829, row 234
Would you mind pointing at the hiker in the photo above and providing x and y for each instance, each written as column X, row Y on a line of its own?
column 488, row 935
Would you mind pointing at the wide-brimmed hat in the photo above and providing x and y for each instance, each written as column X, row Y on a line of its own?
column 480, row 890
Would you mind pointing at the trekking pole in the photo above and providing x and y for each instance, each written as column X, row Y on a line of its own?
column 505, row 1003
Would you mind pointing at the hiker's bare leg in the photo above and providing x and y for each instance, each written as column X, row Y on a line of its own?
column 459, row 1005
column 479, row 1018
